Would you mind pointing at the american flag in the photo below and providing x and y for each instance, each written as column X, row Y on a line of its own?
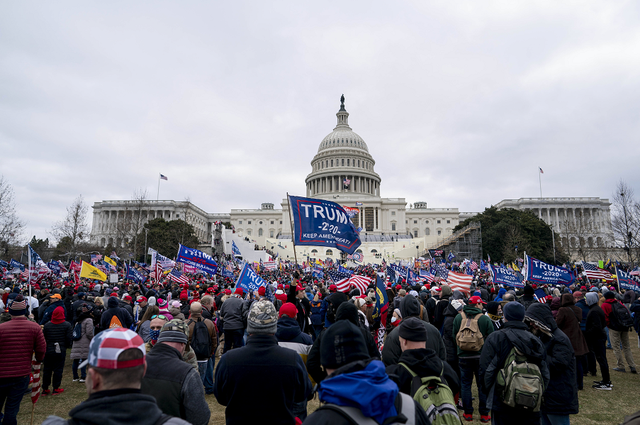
column 594, row 272
column 340, row 279
column 441, row 271
column 425, row 274
column 95, row 258
column 635, row 272
column 35, row 380
column 460, row 282
column 175, row 275
column 163, row 177
column 360, row 282
column 539, row 295
column 346, row 182
column 473, row 265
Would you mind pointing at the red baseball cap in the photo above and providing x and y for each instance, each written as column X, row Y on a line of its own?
column 262, row 290
column 476, row 300
column 333, row 288
column 239, row 291
column 127, row 298
column 299, row 288
column 141, row 299
column 398, row 286
column 289, row 309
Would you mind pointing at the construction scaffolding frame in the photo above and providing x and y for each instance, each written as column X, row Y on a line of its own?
column 465, row 243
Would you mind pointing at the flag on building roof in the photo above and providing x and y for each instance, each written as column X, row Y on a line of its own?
column 460, row 282
column 541, row 172
column 163, row 177
column 594, row 272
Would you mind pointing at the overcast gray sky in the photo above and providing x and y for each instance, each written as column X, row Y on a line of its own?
column 459, row 102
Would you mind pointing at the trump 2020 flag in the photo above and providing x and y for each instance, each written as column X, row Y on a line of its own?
column 248, row 280
column 323, row 223
column 235, row 249
column 541, row 272
column 627, row 281
column 197, row 259
column 380, row 310
column 504, row 276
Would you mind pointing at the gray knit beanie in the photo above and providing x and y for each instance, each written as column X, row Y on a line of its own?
column 263, row 318
column 591, row 298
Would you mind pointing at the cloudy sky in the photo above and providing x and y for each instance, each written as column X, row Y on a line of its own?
column 459, row 102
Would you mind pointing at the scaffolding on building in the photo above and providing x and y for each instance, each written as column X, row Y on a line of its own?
column 465, row 243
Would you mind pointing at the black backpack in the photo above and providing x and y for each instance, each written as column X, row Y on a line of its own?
column 201, row 340
column 620, row 317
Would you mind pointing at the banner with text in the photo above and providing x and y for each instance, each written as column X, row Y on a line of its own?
column 198, row 259
column 504, row 276
column 627, row 281
column 541, row 272
column 323, row 223
column 248, row 280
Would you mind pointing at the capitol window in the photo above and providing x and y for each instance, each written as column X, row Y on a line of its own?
column 448, row 221
column 393, row 213
column 438, row 221
column 358, row 163
column 343, row 162
column 271, row 221
column 270, row 233
column 260, row 232
column 329, row 252
column 248, row 232
column 427, row 231
column 439, row 232
column 347, row 162
column 332, row 162
column 393, row 227
column 248, row 221
column 239, row 221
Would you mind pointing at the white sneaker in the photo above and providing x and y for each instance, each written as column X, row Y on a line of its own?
column 75, row 379
column 81, row 380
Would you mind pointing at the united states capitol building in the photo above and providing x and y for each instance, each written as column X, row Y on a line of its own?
column 343, row 171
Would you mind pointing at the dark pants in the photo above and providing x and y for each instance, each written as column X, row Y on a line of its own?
column 11, row 391
column 509, row 416
column 316, row 331
column 468, row 369
column 53, row 364
column 600, row 352
column 208, row 376
column 233, row 337
column 83, row 371
column 579, row 372
column 589, row 362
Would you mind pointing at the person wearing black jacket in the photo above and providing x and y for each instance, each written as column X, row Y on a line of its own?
column 346, row 311
column 441, row 306
column 421, row 360
column 115, row 310
column 596, row 338
column 58, row 335
column 495, row 350
column 561, row 396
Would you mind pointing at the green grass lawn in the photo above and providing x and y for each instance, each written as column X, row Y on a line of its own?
column 596, row 407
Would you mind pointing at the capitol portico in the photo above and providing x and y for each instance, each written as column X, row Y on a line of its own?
column 343, row 171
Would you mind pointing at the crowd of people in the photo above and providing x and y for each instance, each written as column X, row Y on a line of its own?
column 151, row 353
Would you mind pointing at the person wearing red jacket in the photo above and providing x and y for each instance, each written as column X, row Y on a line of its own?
column 20, row 339
column 617, row 334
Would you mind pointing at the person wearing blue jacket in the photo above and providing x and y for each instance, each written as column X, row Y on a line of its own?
column 358, row 387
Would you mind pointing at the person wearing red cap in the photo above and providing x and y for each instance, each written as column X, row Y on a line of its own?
column 297, row 297
column 233, row 323
column 470, row 330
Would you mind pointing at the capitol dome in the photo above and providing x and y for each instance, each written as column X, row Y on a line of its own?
column 343, row 165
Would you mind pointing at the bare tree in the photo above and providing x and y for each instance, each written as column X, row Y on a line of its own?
column 73, row 230
column 130, row 222
column 11, row 226
column 625, row 220
column 577, row 232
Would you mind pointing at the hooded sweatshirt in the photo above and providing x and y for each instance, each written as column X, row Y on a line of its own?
column 58, row 331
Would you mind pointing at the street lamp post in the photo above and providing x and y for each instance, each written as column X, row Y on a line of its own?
column 146, row 231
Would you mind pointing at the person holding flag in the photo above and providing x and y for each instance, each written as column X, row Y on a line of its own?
column 21, row 338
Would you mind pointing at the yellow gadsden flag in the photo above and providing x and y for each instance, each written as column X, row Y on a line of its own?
column 110, row 261
column 91, row 272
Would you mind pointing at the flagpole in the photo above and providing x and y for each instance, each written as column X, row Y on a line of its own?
column 293, row 232
column 158, row 195
column 540, row 180
column 30, row 308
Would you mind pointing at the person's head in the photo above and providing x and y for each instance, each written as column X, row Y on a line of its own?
column 195, row 309
column 19, row 306
column 513, row 312
column 142, row 301
column 610, row 295
column 207, row 301
column 476, row 302
column 300, row 292
column 238, row 292
column 396, row 315
column 591, row 298
column 157, row 322
column 262, row 291
column 288, row 310
column 341, row 344
column 174, row 334
column 151, row 310
column 115, row 368
column 508, row 297
column 262, row 319
column 413, row 334
column 127, row 299
column 98, row 301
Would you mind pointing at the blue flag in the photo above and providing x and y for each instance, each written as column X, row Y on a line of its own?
column 627, row 281
column 4, row 263
column 248, row 280
column 235, row 249
column 541, row 272
column 16, row 265
column 382, row 302
column 197, row 259
column 323, row 223
column 450, row 256
column 504, row 276
column 135, row 275
column 54, row 266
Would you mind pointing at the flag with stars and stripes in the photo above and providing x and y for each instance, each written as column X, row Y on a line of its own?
column 594, row 272
column 35, row 380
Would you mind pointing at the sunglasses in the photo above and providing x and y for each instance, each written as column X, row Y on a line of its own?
column 159, row 316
